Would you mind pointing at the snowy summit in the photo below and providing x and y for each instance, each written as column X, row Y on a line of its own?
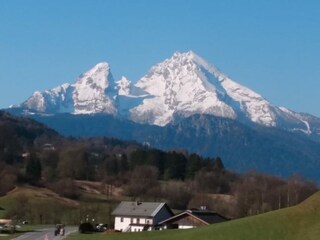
column 180, row 86
column 186, row 84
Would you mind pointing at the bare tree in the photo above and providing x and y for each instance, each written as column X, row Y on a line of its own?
column 142, row 180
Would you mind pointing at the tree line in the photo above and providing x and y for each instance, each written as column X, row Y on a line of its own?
column 183, row 180
column 30, row 153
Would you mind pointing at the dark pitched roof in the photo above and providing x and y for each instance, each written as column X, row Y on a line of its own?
column 142, row 209
column 209, row 217
column 204, row 216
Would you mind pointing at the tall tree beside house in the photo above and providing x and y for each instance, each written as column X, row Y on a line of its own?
column 73, row 163
column 143, row 180
column 177, row 194
column 33, row 169
column 67, row 188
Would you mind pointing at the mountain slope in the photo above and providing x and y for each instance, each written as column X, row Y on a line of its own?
column 17, row 134
column 241, row 147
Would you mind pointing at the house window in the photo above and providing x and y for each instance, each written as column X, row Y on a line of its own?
column 138, row 220
column 121, row 219
column 131, row 220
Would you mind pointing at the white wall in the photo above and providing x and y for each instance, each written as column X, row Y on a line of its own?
column 136, row 228
column 185, row 227
column 121, row 225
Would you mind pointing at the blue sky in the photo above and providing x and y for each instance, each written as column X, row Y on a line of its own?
column 272, row 47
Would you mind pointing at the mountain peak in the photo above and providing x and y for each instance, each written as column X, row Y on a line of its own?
column 183, row 85
column 91, row 92
column 97, row 74
column 185, row 56
column 100, row 66
column 188, row 54
column 186, row 84
column 123, row 86
column 192, row 57
column 94, row 91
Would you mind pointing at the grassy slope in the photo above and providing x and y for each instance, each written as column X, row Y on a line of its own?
column 295, row 223
column 42, row 202
column 36, row 195
column 66, row 209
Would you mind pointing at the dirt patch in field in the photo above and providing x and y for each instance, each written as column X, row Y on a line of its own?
column 99, row 188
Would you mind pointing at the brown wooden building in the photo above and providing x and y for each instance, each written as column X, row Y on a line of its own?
column 192, row 219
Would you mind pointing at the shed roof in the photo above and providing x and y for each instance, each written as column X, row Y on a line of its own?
column 209, row 217
column 206, row 217
column 141, row 209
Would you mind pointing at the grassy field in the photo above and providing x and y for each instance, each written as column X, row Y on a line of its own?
column 40, row 203
column 44, row 206
column 295, row 223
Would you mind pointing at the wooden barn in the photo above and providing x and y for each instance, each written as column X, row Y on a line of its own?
column 192, row 219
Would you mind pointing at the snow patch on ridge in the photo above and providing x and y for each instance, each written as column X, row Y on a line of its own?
column 298, row 117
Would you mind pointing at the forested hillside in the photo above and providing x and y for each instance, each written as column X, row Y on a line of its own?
column 33, row 154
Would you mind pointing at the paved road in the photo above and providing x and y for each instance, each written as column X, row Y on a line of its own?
column 45, row 234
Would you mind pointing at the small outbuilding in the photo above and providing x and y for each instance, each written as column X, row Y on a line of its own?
column 192, row 219
column 7, row 224
column 140, row 216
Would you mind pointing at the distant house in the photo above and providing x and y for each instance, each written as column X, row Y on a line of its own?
column 6, row 224
column 192, row 219
column 48, row 147
column 140, row 216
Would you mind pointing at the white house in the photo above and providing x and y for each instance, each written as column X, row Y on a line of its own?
column 140, row 216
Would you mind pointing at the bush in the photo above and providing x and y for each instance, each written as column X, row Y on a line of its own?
column 86, row 228
column 66, row 188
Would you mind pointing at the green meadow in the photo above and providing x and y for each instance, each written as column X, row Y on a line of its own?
column 301, row 222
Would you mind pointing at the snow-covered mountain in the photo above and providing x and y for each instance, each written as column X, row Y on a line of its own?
column 93, row 92
column 179, row 87
column 186, row 84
